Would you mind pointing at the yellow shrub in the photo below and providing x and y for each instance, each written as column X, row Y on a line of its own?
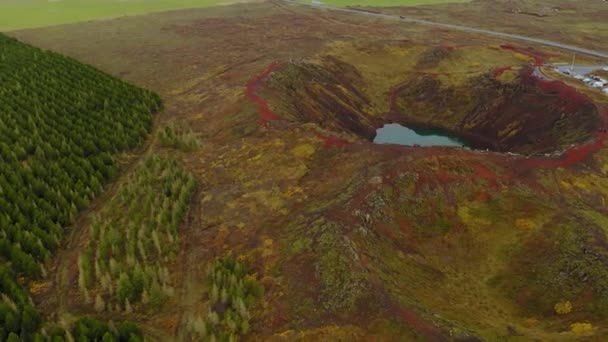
column 581, row 328
column 563, row 307
column 303, row 150
column 525, row 224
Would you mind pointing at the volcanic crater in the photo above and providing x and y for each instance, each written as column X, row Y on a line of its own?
column 502, row 108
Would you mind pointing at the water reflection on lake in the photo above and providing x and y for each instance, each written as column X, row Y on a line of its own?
column 401, row 135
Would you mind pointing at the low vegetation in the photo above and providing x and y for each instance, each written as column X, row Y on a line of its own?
column 135, row 236
column 60, row 122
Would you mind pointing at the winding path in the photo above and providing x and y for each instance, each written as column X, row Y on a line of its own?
column 598, row 54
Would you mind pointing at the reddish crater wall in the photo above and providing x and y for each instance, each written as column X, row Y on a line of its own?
column 574, row 100
column 267, row 115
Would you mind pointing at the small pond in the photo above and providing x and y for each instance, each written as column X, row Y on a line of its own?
column 401, row 135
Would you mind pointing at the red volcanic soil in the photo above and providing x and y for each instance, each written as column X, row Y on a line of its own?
column 574, row 99
column 576, row 153
column 412, row 319
column 426, row 329
column 445, row 177
column 266, row 114
column 499, row 71
column 332, row 141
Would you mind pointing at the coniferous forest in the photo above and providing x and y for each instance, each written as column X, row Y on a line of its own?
column 61, row 123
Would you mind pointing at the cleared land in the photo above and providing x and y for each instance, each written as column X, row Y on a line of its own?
column 351, row 240
column 20, row 14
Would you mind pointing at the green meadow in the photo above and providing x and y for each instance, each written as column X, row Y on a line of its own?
column 20, row 14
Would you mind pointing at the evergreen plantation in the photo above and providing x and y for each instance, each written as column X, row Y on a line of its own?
column 135, row 237
column 61, row 122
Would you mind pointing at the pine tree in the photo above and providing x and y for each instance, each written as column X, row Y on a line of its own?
column 125, row 289
column 128, row 308
column 244, row 327
column 30, row 319
column 156, row 294
column 108, row 337
column 214, row 296
column 100, row 305
column 224, row 295
column 12, row 337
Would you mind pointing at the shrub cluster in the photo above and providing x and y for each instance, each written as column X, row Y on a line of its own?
column 232, row 293
column 178, row 136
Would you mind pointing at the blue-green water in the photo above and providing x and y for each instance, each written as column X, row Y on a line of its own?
column 401, row 135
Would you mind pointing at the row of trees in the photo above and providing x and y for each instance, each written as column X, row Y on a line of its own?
column 178, row 136
column 60, row 124
column 135, row 236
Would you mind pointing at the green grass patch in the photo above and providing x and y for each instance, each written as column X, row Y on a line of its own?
column 20, row 14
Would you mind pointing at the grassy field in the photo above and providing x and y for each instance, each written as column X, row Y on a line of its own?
column 386, row 3
column 20, row 14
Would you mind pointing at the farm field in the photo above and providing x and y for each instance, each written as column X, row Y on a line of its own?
column 20, row 14
column 254, row 205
